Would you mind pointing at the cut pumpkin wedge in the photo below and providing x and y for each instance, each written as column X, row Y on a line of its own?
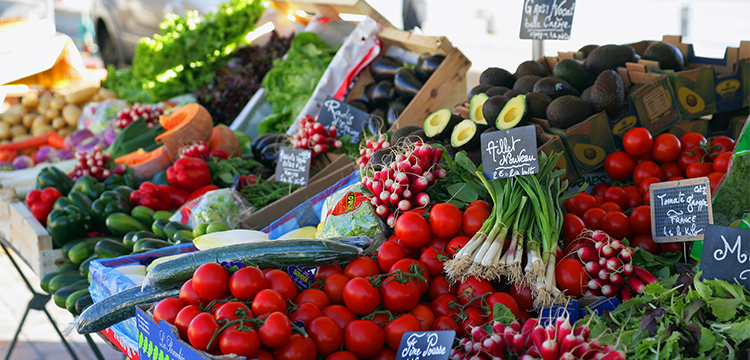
column 146, row 164
column 186, row 125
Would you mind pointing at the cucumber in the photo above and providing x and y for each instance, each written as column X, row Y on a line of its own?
column 132, row 237
column 300, row 252
column 143, row 214
column 108, row 248
column 120, row 224
column 150, row 244
column 70, row 302
column 173, row 227
column 68, row 266
column 128, row 239
column 119, row 307
column 84, row 249
column 44, row 283
column 82, row 303
column 62, row 280
column 61, row 296
column 200, row 230
column 84, row 268
column 158, row 227
column 162, row 214
column 183, row 236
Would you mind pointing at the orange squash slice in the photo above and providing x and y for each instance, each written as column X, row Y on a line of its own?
column 186, row 125
column 146, row 164
column 223, row 138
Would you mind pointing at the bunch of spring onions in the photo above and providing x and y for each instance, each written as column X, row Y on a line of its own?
column 527, row 213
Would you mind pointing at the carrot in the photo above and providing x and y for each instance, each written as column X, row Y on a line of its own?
column 32, row 142
column 55, row 140
column 8, row 155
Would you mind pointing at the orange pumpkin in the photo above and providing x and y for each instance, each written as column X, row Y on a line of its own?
column 187, row 125
column 146, row 164
column 223, row 138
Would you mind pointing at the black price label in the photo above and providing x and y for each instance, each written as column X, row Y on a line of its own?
column 680, row 210
column 426, row 345
column 348, row 120
column 547, row 19
column 726, row 251
column 293, row 166
column 508, row 153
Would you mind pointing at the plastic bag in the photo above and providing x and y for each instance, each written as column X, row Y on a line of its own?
column 97, row 116
column 223, row 205
column 349, row 212
column 732, row 198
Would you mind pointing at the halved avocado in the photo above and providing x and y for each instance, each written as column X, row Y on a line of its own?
column 440, row 123
column 465, row 135
column 475, row 109
column 492, row 107
column 513, row 112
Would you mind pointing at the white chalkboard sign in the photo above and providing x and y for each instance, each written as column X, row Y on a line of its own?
column 547, row 19
column 293, row 166
column 426, row 345
column 348, row 120
column 680, row 210
column 508, row 153
column 726, row 254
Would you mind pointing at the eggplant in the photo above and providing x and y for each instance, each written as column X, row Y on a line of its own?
column 426, row 65
column 377, row 123
column 395, row 110
column 406, row 83
column 384, row 68
column 269, row 155
column 264, row 140
column 360, row 104
column 380, row 94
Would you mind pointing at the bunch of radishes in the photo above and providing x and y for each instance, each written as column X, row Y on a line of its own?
column 371, row 146
column 137, row 111
column 93, row 164
column 610, row 264
column 198, row 150
column 314, row 136
column 400, row 186
column 558, row 341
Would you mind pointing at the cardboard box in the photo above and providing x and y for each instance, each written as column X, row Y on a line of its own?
column 656, row 105
column 699, row 125
column 737, row 124
column 745, row 70
column 549, row 143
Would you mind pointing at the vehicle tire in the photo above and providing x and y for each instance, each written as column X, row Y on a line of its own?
column 107, row 47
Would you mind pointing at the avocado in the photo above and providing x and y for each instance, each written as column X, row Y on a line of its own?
column 481, row 88
column 497, row 77
column 609, row 57
column 492, row 108
column 360, row 104
column 668, row 56
column 531, row 67
column 439, row 124
column 497, row 90
column 587, row 49
column 607, row 93
column 586, row 95
column 574, row 72
column 536, row 104
column 402, row 132
column 525, row 84
column 417, row 135
column 555, row 87
column 475, row 157
column 450, row 150
column 512, row 93
column 513, row 113
column 475, row 108
column 567, row 110
column 465, row 135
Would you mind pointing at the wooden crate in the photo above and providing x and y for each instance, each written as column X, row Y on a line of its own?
column 332, row 8
column 31, row 241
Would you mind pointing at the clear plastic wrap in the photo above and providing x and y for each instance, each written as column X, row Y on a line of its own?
column 732, row 199
column 223, row 205
column 349, row 212
column 97, row 116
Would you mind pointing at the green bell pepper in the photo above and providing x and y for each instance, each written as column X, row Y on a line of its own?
column 124, row 190
column 115, row 180
column 89, row 186
column 66, row 224
column 53, row 177
column 109, row 203
column 82, row 202
column 160, row 178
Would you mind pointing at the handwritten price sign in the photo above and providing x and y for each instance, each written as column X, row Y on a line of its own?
column 509, row 153
column 726, row 251
column 680, row 210
column 425, row 345
column 348, row 120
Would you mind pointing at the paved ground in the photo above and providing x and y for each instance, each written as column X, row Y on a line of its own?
column 38, row 339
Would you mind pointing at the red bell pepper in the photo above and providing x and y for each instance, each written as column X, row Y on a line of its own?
column 151, row 196
column 40, row 202
column 199, row 192
column 178, row 196
column 189, row 173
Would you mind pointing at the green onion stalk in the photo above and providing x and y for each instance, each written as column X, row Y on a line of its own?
column 512, row 258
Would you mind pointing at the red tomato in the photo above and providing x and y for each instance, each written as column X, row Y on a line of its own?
column 690, row 140
column 593, row 218
column 281, row 282
column 640, row 219
column 481, row 203
column 580, row 203
column 647, row 196
column 343, row 355
column 474, row 317
column 211, row 281
column 326, row 334
column 341, row 314
column 630, row 189
column 523, row 296
column 424, row 314
column 472, row 220
column 299, row 347
column 306, row 312
column 721, row 163
column 437, row 243
column 715, row 179
column 360, row 296
column 167, row 310
column 243, row 343
column 398, row 297
column 413, row 230
column 275, row 331
column 599, row 199
column 439, row 285
column 201, row 330
column 388, row 253
column 646, row 183
column 619, row 165
column 385, row 354
column 266, row 301
column 456, row 244
column 609, row 206
column 444, row 323
column 634, row 199
column 571, row 277
column 720, row 145
column 228, row 311
column 188, row 295
column 646, row 242
column 433, row 260
column 324, row 271
column 405, row 265
column 505, row 299
column 617, row 195
column 673, row 247
column 334, row 287
column 246, row 283
column 441, row 305
column 183, row 319
column 673, row 178
column 362, row 266
column 315, row 296
column 647, row 169
column 473, row 287
column 616, row 224
column 690, row 156
column 364, row 338
column 698, row 169
column 572, row 226
column 671, row 169
column 395, row 329
column 599, row 189
column 445, row 220
column 666, row 148
column 637, row 141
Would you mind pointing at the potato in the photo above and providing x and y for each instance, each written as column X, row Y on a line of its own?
column 96, row 98
column 65, row 131
column 18, row 130
column 57, row 103
column 39, row 121
column 71, row 113
column 52, row 113
column 81, row 95
column 58, row 96
column 41, row 130
column 21, row 137
column 30, row 100
column 43, row 103
column 107, row 94
column 4, row 130
column 18, row 109
column 28, row 119
column 58, row 123
column 12, row 118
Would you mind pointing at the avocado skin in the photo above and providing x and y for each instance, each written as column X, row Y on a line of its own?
column 497, row 77
column 402, row 132
column 406, row 83
column 531, row 67
column 426, row 65
column 555, row 87
column 668, row 56
column 497, row 90
column 384, row 68
column 360, row 104
column 607, row 93
column 536, row 104
column 492, row 107
column 481, row 88
column 567, row 110
column 525, row 84
column 587, row 49
column 512, row 93
column 609, row 57
column 574, row 72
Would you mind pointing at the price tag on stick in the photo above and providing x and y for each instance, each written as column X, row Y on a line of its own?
column 508, row 153
column 293, row 166
column 547, row 19
column 347, row 119
column 680, row 210
column 426, row 345
column 726, row 254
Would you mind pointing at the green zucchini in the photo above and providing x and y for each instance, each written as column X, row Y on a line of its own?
column 173, row 227
column 158, row 227
column 362, row 242
column 84, row 249
column 162, row 214
column 120, row 224
column 142, row 213
column 44, row 283
column 84, row 268
column 82, row 303
column 67, row 266
column 90, row 243
column 108, row 248
column 70, row 302
column 300, row 252
column 61, row 296
column 62, row 280
column 119, row 307
column 182, row 236
column 150, row 244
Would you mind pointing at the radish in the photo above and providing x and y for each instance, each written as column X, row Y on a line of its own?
column 636, row 284
column 596, row 284
column 644, row 275
column 549, row 350
column 416, row 170
column 388, row 183
column 567, row 356
column 404, row 166
column 397, row 188
column 332, row 131
column 583, row 331
column 419, row 185
column 440, row 174
column 607, row 251
column 613, row 264
column 626, row 254
column 617, row 279
column 385, row 196
column 615, row 355
column 582, row 350
column 422, row 199
column 516, row 326
column 394, row 199
column 534, row 351
column 599, row 236
column 425, row 154
column 437, row 155
column 391, row 221
column 494, row 348
column 538, row 335
column 626, row 294
column 479, row 334
column 587, row 254
column 498, row 327
column 592, row 292
column 602, row 261
column 609, row 290
column 429, row 177
column 382, row 211
column 568, row 343
column 401, row 178
column 563, row 329
column 603, row 274
column 406, row 194
column 592, row 268
column 617, row 244
column 627, row 269
column 404, row 205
